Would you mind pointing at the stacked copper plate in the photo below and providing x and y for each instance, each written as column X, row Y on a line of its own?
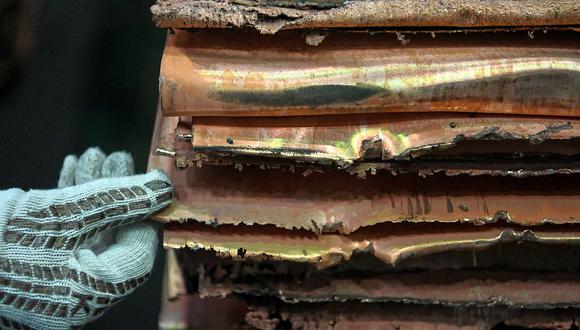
column 370, row 164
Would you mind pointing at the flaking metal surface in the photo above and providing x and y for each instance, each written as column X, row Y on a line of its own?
column 460, row 297
column 552, row 156
column 268, row 313
column 270, row 16
column 458, row 288
column 390, row 246
column 333, row 201
column 515, row 194
column 347, row 139
column 236, row 73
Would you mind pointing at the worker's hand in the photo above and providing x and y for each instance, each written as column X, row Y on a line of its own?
column 68, row 254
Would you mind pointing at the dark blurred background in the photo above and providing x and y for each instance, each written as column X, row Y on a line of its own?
column 75, row 74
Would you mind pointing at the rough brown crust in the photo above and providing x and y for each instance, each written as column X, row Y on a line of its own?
column 271, row 16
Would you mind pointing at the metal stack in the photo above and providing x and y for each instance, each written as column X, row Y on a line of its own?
column 370, row 164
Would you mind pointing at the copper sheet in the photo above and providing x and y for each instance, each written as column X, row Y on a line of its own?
column 224, row 313
column 446, row 288
column 270, row 16
column 188, row 311
column 484, row 280
column 166, row 143
column 238, row 73
column 346, row 139
column 265, row 313
column 391, row 244
column 551, row 157
column 334, row 201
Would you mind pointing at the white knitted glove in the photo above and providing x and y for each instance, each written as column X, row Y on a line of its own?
column 63, row 263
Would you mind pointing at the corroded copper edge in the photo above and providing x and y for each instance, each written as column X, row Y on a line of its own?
column 331, row 249
column 460, row 288
column 167, row 151
column 263, row 313
column 218, row 194
column 270, row 18
column 344, row 140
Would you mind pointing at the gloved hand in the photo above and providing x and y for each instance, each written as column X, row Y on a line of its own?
column 68, row 254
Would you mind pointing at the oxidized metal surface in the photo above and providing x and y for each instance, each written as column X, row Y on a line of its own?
column 267, row 314
column 236, row 73
column 166, row 143
column 457, row 288
column 180, row 311
column 391, row 244
column 270, row 16
column 333, row 201
column 346, row 139
column 489, row 122
column 448, row 300
column 488, row 168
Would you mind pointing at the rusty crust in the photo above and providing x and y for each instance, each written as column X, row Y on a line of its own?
column 237, row 73
column 344, row 140
column 270, row 16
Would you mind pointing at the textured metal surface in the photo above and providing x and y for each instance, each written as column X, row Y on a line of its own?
column 391, row 244
column 234, row 312
column 166, row 143
column 550, row 157
column 346, row 139
column 236, row 73
column 270, row 16
column 267, row 314
column 507, row 294
column 484, row 235
column 334, row 201
column 457, row 288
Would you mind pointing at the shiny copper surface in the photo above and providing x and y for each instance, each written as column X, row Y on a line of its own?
column 233, row 73
column 346, row 139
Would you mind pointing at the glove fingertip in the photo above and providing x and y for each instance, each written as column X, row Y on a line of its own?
column 67, row 173
column 89, row 165
column 119, row 163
